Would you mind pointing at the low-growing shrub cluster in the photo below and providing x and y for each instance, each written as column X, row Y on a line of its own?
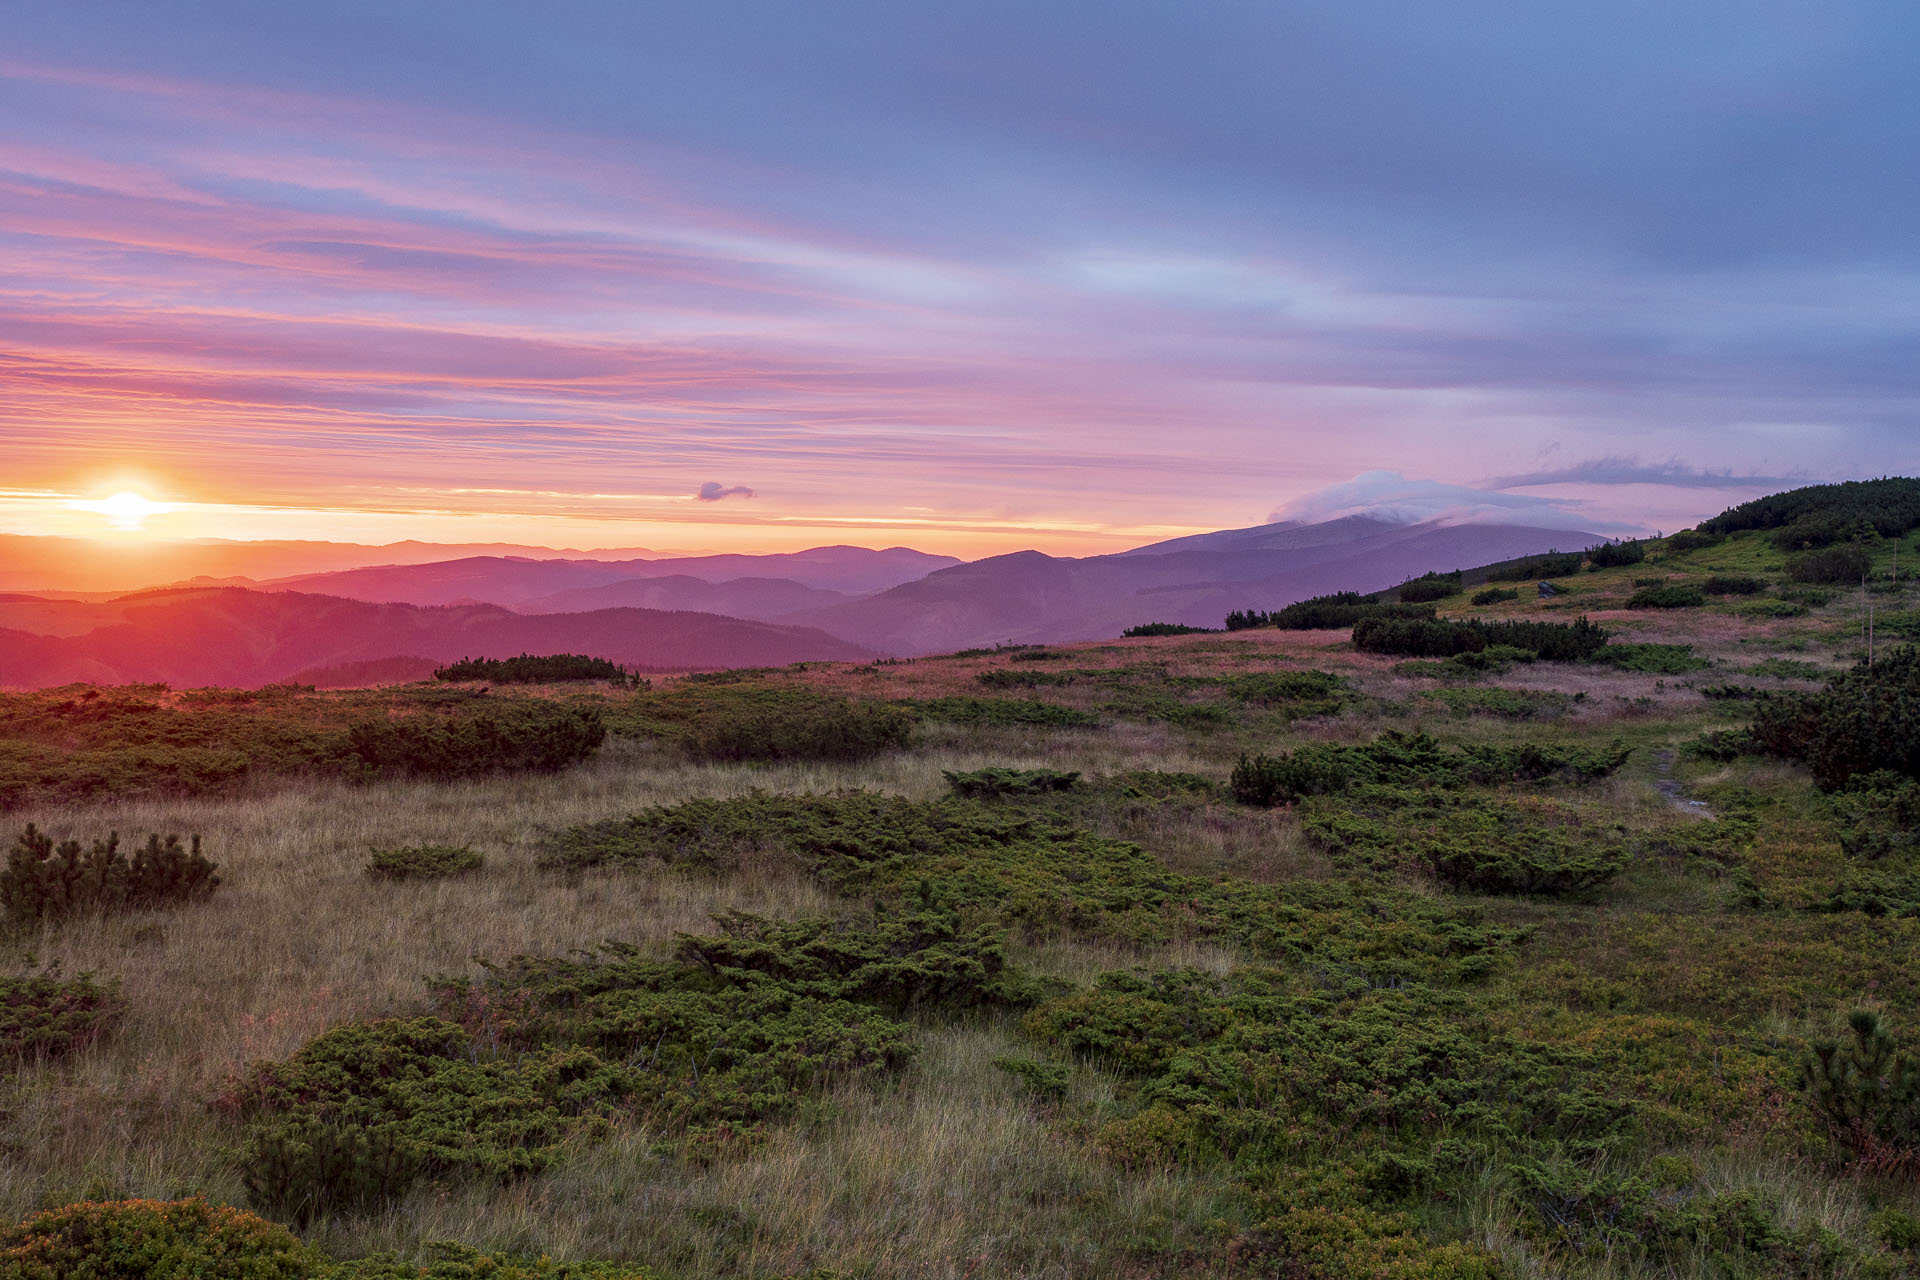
column 423, row 862
column 1403, row 759
column 1005, row 712
column 511, row 735
column 1845, row 564
column 1865, row 720
column 1667, row 595
column 1554, row 564
column 1819, row 515
column 1434, row 638
column 1039, row 873
column 47, row 881
column 996, row 781
column 194, row 1240
column 1867, row 1092
column 1165, row 629
column 1692, row 540
column 1613, row 555
column 77, row 743
column 44, row 1016
column 556, row 668
column 1650, row 659
column 1495, row 595
column 1428, row 587
column 1326, row 613
column 733, row 1031
column 755, row 721
column 1733, row 584
column 1487, row 844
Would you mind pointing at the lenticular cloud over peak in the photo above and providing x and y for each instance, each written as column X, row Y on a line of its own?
column 1390, row 496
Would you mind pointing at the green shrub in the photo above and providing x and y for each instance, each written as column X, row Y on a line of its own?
column 1692, row 540
column 1878, row 815
column 43, row 1017
column 1006, row 712
column 1486, row 844
column 1867, row 719
column 423, row 862
column 1812, row 597
column 1728, row 584
column 734, row 1031
column 788, row 724
column 996, row 781
column 1817, row 515
column 1429, row 587
column 1267, row 781
column 1866, row 1091
column 528, row 668
column 1300, row 691
column 152, row 1240
column 1720, row 745
column 1651, row 659
column 1551, row 565
column 1495, row 595
column 364, row 1110
column 45, row 881
column 1433, row 638
column 1326, row 613
column 1668, row 595
column 1840, row 565
column 1165, row 629
column 524, row 734
column 1612, row 555
column 1412, row 760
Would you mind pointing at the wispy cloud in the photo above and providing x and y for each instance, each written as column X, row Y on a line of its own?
column 1388, row 495
column 1621, row 469
column 714, row 491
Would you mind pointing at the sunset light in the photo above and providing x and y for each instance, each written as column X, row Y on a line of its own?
column 125, row 510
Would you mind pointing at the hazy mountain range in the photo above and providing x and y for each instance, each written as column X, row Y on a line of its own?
column 395, row 620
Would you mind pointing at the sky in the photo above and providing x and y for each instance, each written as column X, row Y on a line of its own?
column 964, row 276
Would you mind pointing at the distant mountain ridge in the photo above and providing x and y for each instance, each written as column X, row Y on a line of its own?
column 512, row 580
column 1030, row 597
column 828, row 603
column 231, row 636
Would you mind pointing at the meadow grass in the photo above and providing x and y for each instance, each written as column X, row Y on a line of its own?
column 951, row 1167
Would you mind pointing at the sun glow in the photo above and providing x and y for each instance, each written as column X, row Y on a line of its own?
column 124, row 510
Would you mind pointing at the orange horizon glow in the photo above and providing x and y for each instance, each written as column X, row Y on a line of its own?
column 668, row 524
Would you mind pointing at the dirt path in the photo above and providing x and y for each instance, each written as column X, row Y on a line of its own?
column 1676, row 795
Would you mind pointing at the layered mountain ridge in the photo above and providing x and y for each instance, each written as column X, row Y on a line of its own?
column 680, row 613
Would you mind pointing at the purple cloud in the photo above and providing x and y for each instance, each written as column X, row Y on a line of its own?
column 713, row 491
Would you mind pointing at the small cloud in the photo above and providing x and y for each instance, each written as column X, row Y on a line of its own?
column 1622, row 469
column 1388, row 495
column 713, row 491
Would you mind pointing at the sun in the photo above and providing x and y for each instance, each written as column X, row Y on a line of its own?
column 126, row 509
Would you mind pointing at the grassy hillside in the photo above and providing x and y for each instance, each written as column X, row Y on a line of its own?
column 1216, row 954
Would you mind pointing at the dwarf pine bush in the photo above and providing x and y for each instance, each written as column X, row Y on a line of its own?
column 47, row 881
column 153, row 1240
column 1866, row 720
column 530, row 668
column 45, row 1017
column 1866, row 1091
column 1415, row 759
column 996, row 781
column 423, row 862
column 523, row 734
